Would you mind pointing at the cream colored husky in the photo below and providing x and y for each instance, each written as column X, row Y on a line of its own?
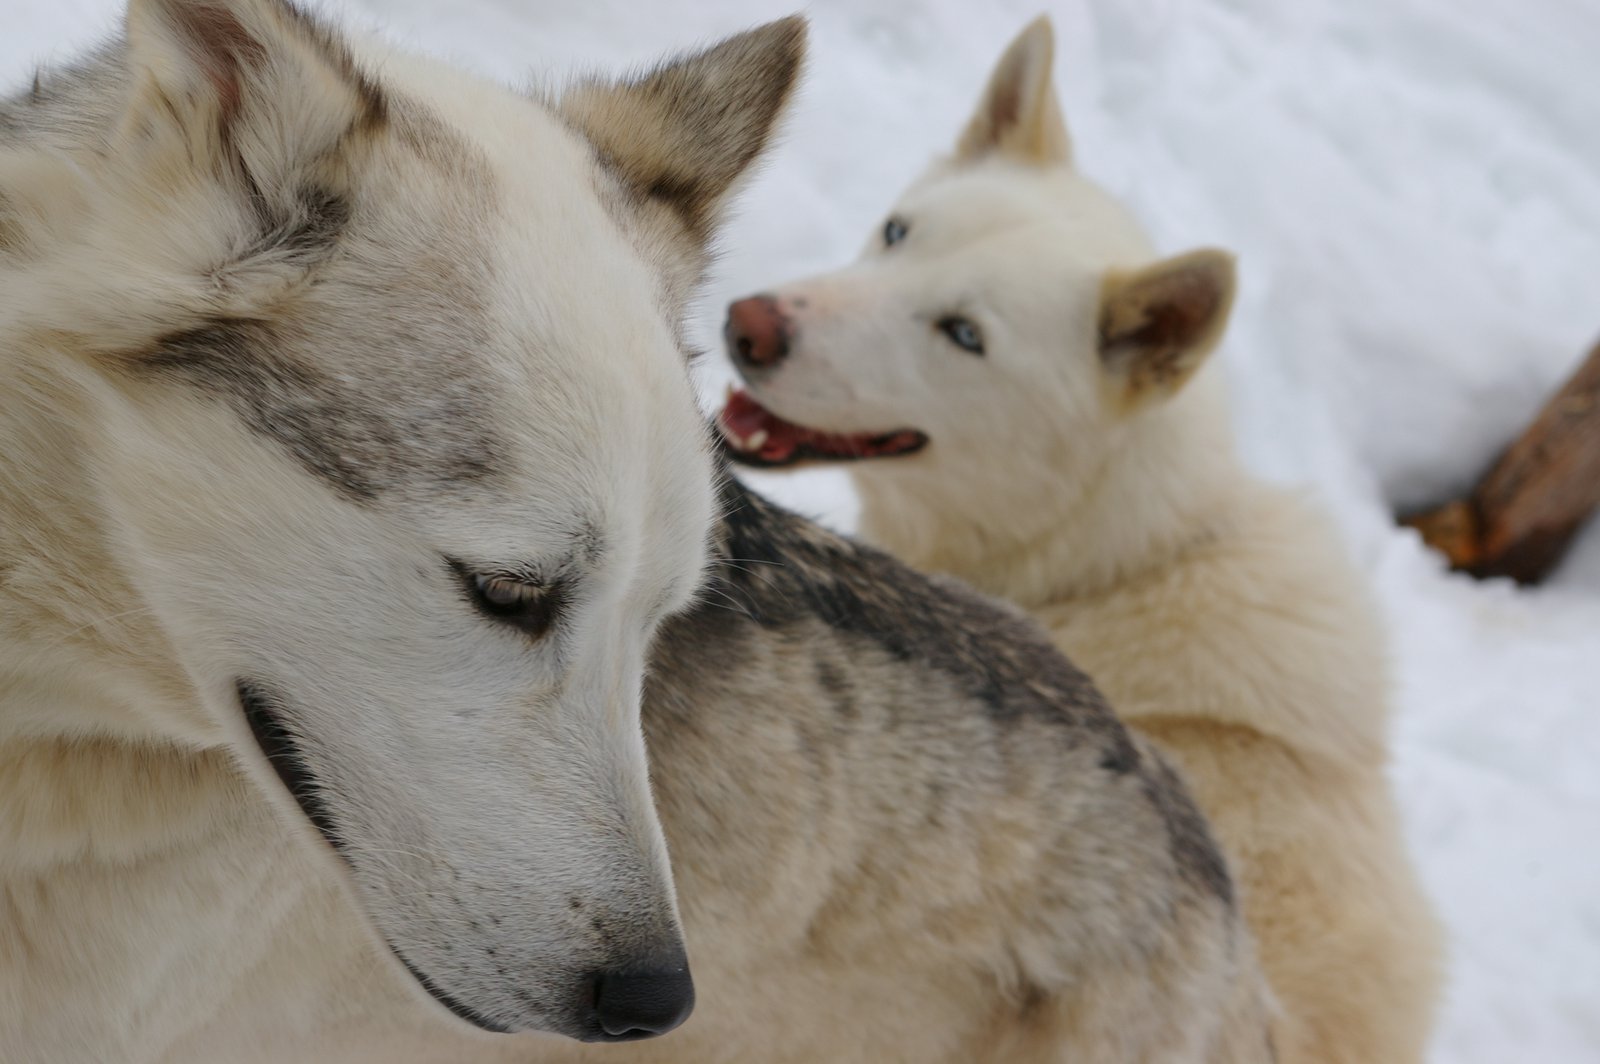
column 1020, row 382
column 347, row 466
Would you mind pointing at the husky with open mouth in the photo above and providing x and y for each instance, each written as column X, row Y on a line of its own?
column 348, row 464
column 1020, row 384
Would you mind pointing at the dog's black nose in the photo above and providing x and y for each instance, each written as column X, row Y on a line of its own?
column 757, row 333
column 642, row 1003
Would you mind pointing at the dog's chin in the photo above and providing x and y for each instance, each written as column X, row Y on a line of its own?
column 754, row 436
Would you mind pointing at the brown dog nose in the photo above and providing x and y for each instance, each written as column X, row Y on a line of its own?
column 757, row 333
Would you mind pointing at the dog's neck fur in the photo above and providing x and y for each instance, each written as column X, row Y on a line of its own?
column 85, row 675
column 1163, row 484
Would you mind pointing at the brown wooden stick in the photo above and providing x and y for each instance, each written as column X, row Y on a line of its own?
column 1524, row 513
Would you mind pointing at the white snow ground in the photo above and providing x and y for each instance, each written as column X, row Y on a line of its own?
column 1412, row 187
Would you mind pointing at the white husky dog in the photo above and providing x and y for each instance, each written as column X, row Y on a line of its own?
column 1026, row 377
column 347, row 464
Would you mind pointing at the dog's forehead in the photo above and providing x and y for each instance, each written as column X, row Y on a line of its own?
column 565, row 285
column 1065, row 213
column 482, row 321
column 965, row 202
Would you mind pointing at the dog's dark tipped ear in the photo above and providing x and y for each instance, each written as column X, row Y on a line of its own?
column 251, row 88
column 681, row 136
column 1018, row 116
column 1158, row 324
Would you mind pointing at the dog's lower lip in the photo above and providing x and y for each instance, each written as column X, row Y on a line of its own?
column 753, row 435
column 463, row 1012
column 263, row 712
column 807, row 454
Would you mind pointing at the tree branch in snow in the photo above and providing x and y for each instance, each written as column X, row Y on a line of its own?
column 1520, row 519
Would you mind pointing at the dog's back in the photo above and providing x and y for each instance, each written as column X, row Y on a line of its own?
column 906, row 829
column 1255, row 660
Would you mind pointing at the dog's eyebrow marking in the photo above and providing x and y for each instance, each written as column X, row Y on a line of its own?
column 363, row 437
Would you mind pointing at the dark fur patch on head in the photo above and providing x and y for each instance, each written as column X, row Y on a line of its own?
column 351, row 437
column 305, row 230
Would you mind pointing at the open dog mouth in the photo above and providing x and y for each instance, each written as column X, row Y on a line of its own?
column 753, row 435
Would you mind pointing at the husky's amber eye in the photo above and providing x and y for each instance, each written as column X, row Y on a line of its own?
column 894, row 231
column 962, row 333
column 527, row 605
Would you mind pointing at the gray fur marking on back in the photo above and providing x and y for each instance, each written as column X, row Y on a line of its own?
column 779, row 576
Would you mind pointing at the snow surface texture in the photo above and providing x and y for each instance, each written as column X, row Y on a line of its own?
column 1411, row 186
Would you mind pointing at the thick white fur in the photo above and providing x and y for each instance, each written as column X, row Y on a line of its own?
column 1102, row 493
column 162, row 898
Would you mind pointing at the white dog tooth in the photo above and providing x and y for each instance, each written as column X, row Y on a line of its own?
column 755, row 440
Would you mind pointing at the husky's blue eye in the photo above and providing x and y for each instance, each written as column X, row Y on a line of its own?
column 962, row 333
column 894, row 231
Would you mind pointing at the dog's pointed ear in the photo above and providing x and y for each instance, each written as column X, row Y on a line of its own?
column 250, row 89
column 1158, row 323
column 1018, row 116
column 681, row 136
